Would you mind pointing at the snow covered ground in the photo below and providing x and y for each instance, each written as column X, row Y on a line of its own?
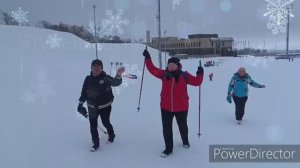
column 40, row 127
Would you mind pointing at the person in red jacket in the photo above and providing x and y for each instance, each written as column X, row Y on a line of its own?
column 174, row 98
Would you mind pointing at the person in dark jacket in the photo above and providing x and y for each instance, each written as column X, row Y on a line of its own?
column 97, row 92
column 174, row 98
column 211, row 75
column 238, row 90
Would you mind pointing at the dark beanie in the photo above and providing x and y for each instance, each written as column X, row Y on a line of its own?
column 97, row 62
column 174, row 60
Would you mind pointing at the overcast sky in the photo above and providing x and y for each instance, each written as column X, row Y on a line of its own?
column 240, row 19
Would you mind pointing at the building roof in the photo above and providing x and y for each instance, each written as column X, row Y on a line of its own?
column 192, row 36
column 223, row 39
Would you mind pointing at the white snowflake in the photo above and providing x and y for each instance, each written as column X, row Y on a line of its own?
column 258, row 61
column 126, row 82
column 176, row 2
column 118, row 90
column 40, row 90
column 44, row 90
column 278, row 10
column 225, row 5
column 132, row 69
column 91, row 29
column 19, row 16
column 28, row 97
column 82, row 3
column 54, row 41
column 274, row 134
column 93, row 45
column 113, row 23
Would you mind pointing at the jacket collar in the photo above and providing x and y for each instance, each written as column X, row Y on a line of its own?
column 101, row 75
column 241, row 77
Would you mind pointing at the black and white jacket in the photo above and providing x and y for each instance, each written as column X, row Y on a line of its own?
column 97, row 91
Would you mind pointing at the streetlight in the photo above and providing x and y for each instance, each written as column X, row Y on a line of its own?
column 95, row 29
column 165, row 47
column 159, row 33
column 288, row 30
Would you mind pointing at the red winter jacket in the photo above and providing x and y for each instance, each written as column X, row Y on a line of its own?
column 174, row 96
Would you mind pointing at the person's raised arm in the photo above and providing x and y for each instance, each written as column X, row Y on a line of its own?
column 151, row 67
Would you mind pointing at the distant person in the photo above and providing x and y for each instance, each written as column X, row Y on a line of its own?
column 97, row 92
column 211, row 75
column 174, row 100
column 238, row 90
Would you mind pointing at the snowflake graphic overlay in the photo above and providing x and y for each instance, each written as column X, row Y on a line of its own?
column 28, row 97
column 93, row 45
column 132, row 69
column 91, row 30
column 82, row 3
column 126, row 82
column 258, row 61
column 41, row 91
column 114, row 23
column 19, row 16
column 176, row 2
column 278, row 11
column 54, row 41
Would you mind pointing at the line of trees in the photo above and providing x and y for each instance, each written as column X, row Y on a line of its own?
column 79, row 31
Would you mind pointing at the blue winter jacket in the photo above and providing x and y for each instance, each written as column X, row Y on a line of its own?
column 239, row 85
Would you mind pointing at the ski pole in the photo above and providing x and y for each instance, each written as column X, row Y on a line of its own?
column 117, row 64
column 141, row 88
column 111, row 64
column 199, row 105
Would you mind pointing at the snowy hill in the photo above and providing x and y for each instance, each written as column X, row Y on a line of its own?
column 40, row 127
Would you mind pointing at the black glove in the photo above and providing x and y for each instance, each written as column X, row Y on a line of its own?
column 200, row 70
column 82, row 110
column 146, row 54
column 262, row 86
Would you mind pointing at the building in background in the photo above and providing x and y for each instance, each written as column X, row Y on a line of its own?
column 196, row 45
column 148, row 37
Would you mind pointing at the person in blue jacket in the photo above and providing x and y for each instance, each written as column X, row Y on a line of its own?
column 238, row 90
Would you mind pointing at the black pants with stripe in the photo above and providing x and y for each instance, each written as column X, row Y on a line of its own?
column 105, row 118
column 240, row 103
column 167, row 120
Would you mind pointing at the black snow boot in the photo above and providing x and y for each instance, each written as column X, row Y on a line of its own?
column 111, row 138
column 166, row 153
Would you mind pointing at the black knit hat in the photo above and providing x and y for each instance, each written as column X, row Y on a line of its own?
column 174, row 60
column 97, row 62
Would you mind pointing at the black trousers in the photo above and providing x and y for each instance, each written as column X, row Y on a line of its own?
column 240, row 103
column 167, row 120
column 105, row 118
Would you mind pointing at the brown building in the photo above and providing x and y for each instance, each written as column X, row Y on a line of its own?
column 195, row 45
